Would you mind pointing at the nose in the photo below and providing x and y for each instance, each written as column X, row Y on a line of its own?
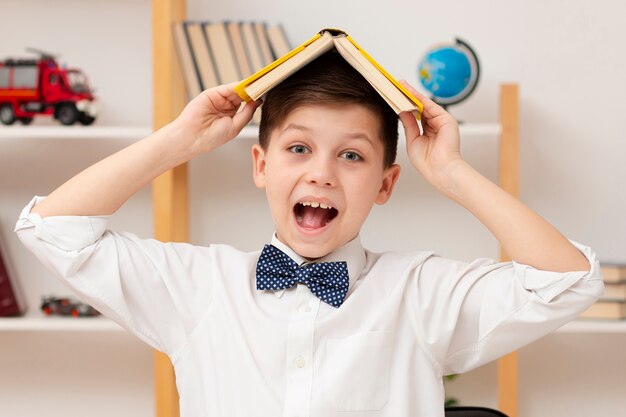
column 322, row 171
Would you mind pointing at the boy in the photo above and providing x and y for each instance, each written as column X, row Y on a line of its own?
column 313, row 325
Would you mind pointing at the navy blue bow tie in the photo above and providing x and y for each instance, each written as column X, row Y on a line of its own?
column 327, row 280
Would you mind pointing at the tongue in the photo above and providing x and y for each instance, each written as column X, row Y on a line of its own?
column 313, row 218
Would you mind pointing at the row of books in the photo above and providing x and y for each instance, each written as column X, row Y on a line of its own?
column 215, row 53
column 260, row 57
column 612, row 304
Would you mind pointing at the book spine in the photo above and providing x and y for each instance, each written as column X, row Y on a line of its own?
column 9, row 303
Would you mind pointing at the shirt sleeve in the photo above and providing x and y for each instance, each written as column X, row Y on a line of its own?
column 472, row 313
column 153, row 289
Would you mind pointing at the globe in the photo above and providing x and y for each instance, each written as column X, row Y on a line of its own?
column 449, row 72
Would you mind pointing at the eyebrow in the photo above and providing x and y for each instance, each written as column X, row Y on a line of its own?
column 355, row 135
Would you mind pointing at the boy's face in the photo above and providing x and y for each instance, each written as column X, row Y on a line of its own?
column 322, row 172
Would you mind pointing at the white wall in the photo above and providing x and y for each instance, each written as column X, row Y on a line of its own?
column 567, row 57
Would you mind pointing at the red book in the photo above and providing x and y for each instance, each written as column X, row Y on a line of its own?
column 9, row 303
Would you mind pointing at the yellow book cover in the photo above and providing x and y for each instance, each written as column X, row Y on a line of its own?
column 398, row 97
column 241, row 87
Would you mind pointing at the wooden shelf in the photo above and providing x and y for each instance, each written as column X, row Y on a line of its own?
column 131, row 133
column 36, row 322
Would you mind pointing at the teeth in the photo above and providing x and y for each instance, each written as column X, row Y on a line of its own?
column 315, row 204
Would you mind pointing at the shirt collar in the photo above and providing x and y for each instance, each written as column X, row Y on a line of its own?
column 352, row 252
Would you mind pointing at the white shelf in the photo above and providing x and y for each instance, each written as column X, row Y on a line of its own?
column 466, row 129
column 594, row 326
column 139, row 132
column 74, row 132
column 57, row 324
column 480, row 129
column 249, row 132
column 38, row 322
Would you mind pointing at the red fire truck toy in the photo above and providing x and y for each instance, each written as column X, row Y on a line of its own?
column 30, row 87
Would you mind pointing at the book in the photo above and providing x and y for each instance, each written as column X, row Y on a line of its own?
column 186, row 60
column 278, row 41
column 614, row 292
column 398, row 97
column 202, row 55
column 11, row 302
column 613, row 272
column 223, row 54
column 264, row 45
column 252, row 46
column 608, row 310
column 234, row 30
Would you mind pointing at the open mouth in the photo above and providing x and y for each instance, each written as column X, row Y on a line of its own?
column 314, row 215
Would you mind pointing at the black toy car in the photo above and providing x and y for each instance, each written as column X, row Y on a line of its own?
column 63, row 306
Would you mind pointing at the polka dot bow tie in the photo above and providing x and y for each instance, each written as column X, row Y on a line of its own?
column 327, row 280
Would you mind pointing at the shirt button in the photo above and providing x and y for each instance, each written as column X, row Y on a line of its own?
column 305, row 308
column 300, row 362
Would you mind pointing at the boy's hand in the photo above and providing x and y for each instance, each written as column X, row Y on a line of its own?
column 435, row 151
column 207, row 122
column 524, row 235
column 212, row 118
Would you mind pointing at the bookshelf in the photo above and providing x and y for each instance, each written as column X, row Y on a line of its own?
column 127, row 133
column 36, row 322
column 171, row 205
column 594, row 327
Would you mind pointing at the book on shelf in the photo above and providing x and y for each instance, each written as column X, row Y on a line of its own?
column 260, row 30
column 186, row 60
column 214, row 53
column 223, row 52
column 252, row 46
column 606, row 310
column 614, row 292
column 278, row 41
column 398, row 97
column 239, row 48
column 11, row 301
column 613, row 272
column 203, row 59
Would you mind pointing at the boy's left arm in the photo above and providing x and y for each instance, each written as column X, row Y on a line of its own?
column 525, row 236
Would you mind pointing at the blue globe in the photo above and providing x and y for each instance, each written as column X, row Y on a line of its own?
column 449, row 72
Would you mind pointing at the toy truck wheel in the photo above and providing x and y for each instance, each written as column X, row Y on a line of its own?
column 67, row 114
column 7, row 115
column 86, row 119
column 26, row 120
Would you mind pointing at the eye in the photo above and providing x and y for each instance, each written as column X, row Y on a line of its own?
column 351, row 156
column 299, row 149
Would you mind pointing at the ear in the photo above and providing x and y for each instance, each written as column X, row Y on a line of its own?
column 258, row 165
column 389, row 181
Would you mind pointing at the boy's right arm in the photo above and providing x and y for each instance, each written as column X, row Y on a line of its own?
column 208, row 121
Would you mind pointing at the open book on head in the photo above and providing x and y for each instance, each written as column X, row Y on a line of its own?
column 398, row 97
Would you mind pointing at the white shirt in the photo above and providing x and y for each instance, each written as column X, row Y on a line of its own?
column 408, row 319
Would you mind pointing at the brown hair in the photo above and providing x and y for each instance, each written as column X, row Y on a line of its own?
column 328, row 79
